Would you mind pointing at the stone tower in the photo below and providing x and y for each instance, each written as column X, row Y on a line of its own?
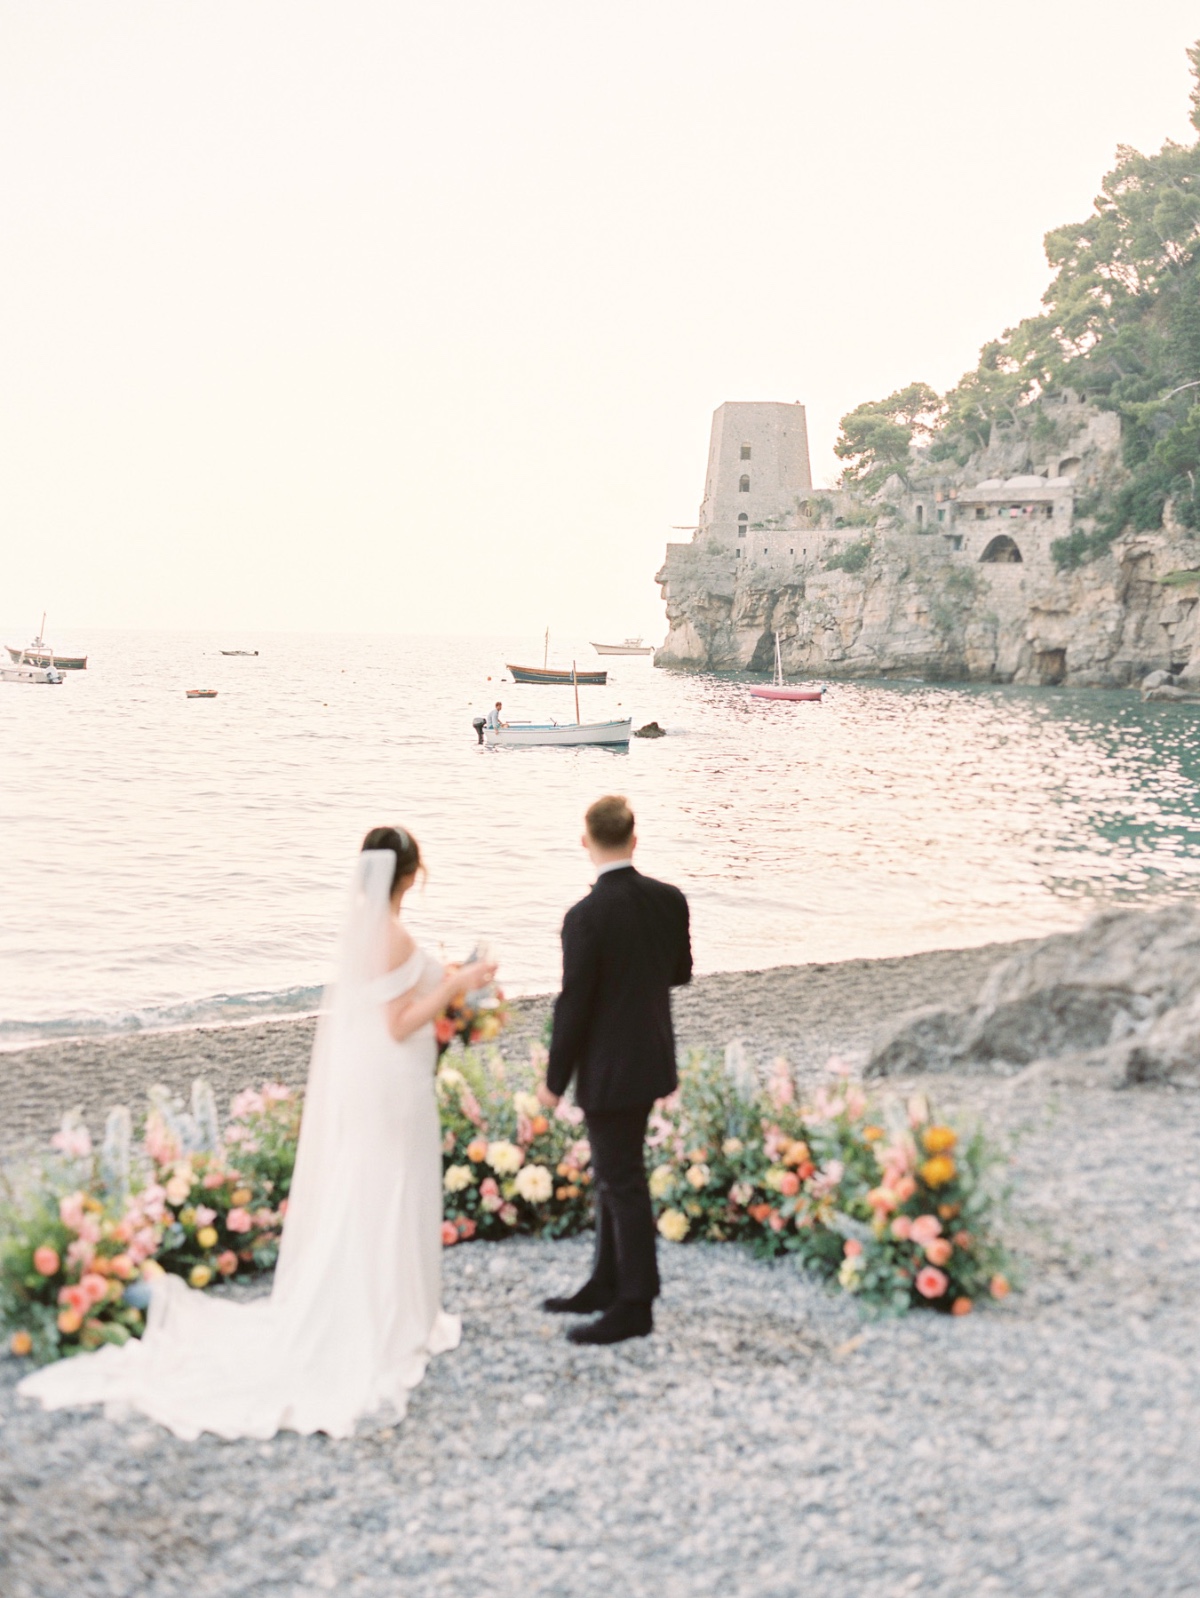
column 757, row 468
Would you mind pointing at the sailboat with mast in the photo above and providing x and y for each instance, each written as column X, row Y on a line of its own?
column 544, row 673
column 565, row 734
column 782, row 690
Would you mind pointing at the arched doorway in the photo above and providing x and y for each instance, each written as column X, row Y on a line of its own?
column 1001, row 552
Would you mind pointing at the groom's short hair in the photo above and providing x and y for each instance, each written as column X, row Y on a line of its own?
column 610, row 821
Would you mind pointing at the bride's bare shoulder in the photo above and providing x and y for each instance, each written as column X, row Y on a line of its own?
column 401, row 945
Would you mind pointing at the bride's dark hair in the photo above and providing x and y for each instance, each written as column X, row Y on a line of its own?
column 403, row 845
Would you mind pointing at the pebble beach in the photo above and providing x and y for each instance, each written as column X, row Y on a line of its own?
column 768, row 1438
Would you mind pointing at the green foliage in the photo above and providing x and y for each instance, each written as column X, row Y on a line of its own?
column 876, row 437
column 852, row 557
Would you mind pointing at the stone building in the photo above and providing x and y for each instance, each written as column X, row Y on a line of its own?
column 758, row 469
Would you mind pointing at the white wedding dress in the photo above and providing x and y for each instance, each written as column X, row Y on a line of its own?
column 355, row 1310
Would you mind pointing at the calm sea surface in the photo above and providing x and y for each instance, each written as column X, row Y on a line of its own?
column 164, row 860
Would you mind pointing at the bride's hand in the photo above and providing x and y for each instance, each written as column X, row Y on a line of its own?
column 470, row 977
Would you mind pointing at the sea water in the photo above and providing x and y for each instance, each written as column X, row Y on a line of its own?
column 166, row 860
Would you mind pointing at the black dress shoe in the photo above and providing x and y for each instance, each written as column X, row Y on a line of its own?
column 587, row 1301
column 625, row 1319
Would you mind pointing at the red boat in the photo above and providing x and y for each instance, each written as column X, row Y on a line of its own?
column 779, row 689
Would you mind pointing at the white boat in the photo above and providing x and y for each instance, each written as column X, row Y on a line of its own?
column 525, row 734
column 29, row 671
column 631, row 646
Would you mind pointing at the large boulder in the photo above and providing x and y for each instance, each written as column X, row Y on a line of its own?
column 1121, row 996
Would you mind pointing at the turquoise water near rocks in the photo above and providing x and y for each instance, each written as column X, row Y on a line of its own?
column 165, row 860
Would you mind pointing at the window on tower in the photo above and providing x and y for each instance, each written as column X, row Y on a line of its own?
column 745, row 452
column 743, row 521
column 743, row 484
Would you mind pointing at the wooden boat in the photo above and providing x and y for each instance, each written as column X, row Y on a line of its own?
column 525, row 734
column 588, row 679
column 249, row 652
column 39, row 653
column 631, row 646
column 202, row 693
column 544, row 674
column 779, row 689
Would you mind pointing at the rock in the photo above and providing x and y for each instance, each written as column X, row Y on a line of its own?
column 1172, row 695
column 1122, row 993
column 650, row 730
column 1156, row 679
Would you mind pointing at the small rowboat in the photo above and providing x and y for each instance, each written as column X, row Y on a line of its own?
column 248, row 652
column 589, row 679
column 202, row 693
column 547, row 674
column 780, row 690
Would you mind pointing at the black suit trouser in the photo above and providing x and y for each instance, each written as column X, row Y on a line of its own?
column 626, row 1264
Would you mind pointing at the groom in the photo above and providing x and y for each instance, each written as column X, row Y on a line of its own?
column 624, row 947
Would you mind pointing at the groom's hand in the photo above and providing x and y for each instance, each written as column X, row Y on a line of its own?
column 550, row 1100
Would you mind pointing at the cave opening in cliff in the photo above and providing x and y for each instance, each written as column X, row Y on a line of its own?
column 1002, row 551
column 1051, row 666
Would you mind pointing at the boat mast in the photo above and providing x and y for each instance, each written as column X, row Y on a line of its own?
column 546, row 651
column 575, row 680
column 778, row 664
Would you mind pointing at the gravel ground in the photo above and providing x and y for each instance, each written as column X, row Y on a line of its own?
column 766, row 1438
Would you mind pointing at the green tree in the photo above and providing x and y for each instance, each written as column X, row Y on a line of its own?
column 875, row 438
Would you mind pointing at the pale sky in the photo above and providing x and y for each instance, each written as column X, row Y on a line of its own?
column 412, row 318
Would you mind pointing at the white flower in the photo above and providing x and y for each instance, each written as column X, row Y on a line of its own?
column 534, row 1184
column 732, row 1147
column 661, row 1178
column 850, row 1275
column 774, row 1177
column 741, row 1193
column 449, row 1077
column 178, row 1188
column 506, row 1159
column 526, row 1104
column 674, row 1225
column 456, row 1178
column 698, row 1176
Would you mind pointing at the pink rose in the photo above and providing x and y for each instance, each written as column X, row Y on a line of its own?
column 45, row 1260
column 938, row 1251
column 238, row 1220
column 508, row 1214
column 931, row 1283
column 466, row 1227
column 449, row 1234
column 489, row 1188
column 904, row 1189
column 570, row 1113
column 852, row 1248
column 902, row 1228
column 925, row 1228
column 881, row 1199
column 580, row 1153
column 70, row 1211
column 93, row 1287
column 80, row 1253
column 856, row 1103
column 789, row 1184
column 75, row 1142
column 214, row 1179
column 76, row 1297
column 776, row 1221
column 248, row 1102
column 524, row 1130
column 491, row 1202
column 204, row 1215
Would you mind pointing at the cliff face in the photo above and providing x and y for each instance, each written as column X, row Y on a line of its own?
column 915, row 610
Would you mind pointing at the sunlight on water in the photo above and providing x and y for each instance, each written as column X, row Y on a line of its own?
column 165, row 859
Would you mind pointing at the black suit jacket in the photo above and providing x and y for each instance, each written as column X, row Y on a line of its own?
column 624, row 948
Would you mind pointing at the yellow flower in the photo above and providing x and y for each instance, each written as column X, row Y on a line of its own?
column 661, row 1178
column 938, row 1171
column 732, row 1147
column 872, row 1134
column 698, row 1176
column 674, row 1225
column 199, row 1276
column 457, row 1177
column 20, row 1344
column 938, row 1139
column 187, row 1217
column 240, row 1195
column 207, row 1237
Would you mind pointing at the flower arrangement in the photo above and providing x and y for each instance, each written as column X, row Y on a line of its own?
column 508, row 1164
column 86, row 1229
column 897, row 1208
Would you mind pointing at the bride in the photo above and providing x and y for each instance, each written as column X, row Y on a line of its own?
column 355, row 1310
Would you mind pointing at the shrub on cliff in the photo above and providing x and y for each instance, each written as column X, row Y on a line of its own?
column 851, row 557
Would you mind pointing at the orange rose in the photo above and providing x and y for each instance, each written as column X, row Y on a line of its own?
column 999, row 1286
column 961, row 1306
column 477, row 1149
column 540, row 1125
column 69, row 1322
column 20, row 1344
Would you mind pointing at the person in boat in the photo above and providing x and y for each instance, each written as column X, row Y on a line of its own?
column 493, row 721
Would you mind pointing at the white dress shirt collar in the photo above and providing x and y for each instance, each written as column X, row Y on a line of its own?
column 613, row 865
